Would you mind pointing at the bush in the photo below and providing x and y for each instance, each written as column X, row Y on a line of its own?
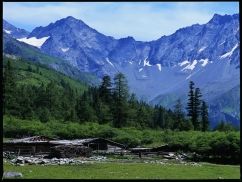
column 127, row 140
column 106, row 131
column 202, row 144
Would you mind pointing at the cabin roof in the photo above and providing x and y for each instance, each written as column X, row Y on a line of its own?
column 141, row 149
column 106, row 140
column 43, row 139
column 66, row 142
column 34, row 139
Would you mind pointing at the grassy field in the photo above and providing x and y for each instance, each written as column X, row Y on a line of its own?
column 127, row 171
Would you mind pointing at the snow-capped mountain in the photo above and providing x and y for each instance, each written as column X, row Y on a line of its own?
column 73, row 40
column 13, row 31
column 158, row 71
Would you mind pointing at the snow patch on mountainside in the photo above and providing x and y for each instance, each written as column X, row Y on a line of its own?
column 34, row 41
column 140, row 69
column 189, row 76
column 65, row 49
column 109, row 62
column 146, row 62
column 191, row 66
column 183, row 63
column 204, row 62
column 228, row 54
column 222, row 43
column 200, row 50
column 159, row 66
column 7, row 31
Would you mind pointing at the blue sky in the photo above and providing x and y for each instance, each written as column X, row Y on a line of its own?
column 144, row 21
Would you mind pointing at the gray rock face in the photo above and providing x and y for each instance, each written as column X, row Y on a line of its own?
column 76, row 42
column 13, row 31
column 12, row 175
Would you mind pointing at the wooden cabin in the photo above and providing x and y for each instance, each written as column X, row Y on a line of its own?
column 102, row 144
column 28, row 146
column 42, row 145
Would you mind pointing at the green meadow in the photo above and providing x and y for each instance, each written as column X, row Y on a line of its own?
column 127, row 171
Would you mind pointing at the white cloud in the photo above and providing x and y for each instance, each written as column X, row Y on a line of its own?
column 144, row 21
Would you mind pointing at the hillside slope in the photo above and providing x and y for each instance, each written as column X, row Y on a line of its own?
column 30, row 53
column 28, row 73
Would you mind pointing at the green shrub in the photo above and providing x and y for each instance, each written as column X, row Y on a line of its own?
column 127, row 140
column 106, row 131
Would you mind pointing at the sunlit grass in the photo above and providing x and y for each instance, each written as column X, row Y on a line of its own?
column 127, row 171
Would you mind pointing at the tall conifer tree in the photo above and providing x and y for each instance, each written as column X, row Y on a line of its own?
column 9, row 90
column 105, row 89
column 121, row 95
column 204, row 116
column 190, row 104
column 197, row 108
column 179, row 116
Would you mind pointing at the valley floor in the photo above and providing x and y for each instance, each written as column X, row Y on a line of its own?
column 118, row 170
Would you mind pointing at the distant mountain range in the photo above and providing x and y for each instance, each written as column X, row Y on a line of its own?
column 157, row 71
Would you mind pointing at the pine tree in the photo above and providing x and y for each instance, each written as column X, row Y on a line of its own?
column 84, row 108
column 41, row 98
column 193, row 105
column 68, row 102
column 44, row 115
column 132, row 111
column 161, row 114
column 190, row 104
column 26, row 102
column 30, row 68
column 179, row 116
column 104, row 113
column 204, row 116
column 120, row 94
column 155, row 116
column 197, row 108
column 37, row 69
column 54, row 101
column 105, row 89
column 10, row 103
column 101, row 100
column 143, row 118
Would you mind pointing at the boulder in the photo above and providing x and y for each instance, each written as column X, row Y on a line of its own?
column 9, row 155
column 98, row 158
column 13, row 160
column 20, row 160
column 12, row 175
column 44, row 161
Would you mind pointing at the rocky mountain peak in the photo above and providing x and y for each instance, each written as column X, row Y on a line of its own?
column 222, row 19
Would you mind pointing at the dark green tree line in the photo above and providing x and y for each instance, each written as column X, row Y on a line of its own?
column 110, row 103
